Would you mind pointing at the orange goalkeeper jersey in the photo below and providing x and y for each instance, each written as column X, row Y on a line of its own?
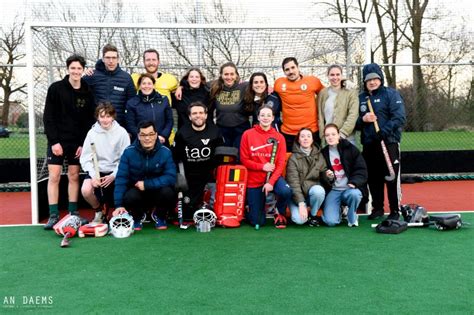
column 298, row 100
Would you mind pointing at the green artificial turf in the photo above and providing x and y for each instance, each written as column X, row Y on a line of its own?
column 297, row 270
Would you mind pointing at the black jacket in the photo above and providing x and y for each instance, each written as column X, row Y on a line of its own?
column 353, row 164
column 68, row 112
column 189, row 96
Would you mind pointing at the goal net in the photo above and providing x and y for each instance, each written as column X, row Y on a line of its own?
column 251, row 48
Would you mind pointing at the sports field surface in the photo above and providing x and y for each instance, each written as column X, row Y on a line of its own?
column 299, row 270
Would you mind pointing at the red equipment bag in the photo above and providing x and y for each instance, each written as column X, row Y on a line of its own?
column 231, row 185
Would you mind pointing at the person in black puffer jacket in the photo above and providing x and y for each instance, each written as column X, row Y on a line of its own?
column 110, row 83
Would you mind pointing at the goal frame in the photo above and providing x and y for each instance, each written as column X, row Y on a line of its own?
column 29, row 26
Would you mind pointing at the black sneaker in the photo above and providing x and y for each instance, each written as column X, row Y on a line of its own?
column 314, row 221
column 53, row 219
column 84, row 221
column 376, row 214
column 393, row 216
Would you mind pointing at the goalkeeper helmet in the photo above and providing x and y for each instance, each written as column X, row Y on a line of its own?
column 204, row 219
column 121, row 226
column 414, row 213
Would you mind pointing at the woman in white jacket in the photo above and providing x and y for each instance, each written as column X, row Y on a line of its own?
column 110, row 140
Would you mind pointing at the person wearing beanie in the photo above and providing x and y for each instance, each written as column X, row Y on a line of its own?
column 389, row 114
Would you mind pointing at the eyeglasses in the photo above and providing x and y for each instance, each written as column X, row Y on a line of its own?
column 147, row 135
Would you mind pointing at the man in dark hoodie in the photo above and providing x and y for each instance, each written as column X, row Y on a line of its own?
column 68, row 115
column 110, row 83
column 389, row 112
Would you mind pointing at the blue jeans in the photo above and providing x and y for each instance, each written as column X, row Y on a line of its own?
column 256, row 201
column 332, row 208
column 314, row 200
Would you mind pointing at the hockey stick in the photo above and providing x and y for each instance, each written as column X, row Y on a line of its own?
column 274, row 143
column 97, row 176
column 181, row 186
column 391, row 171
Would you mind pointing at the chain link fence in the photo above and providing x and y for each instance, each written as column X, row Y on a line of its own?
column 443, row 122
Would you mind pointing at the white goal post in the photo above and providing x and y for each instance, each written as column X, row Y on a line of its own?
column 252, row 47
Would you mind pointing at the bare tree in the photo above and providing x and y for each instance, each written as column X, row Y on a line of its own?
column 416, row 10
column 207, row 48
column 76, row 40
column 11, row 39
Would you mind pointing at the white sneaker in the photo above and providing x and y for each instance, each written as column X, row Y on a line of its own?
column 355, row 224
column 98, row 217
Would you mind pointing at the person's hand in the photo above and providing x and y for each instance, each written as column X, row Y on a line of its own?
column 140, row 185
column 106, row 180
column 78, row 152
column 162, row 139
column 267, row 188
column 178, row 94
column 303, row 210
column 89, row 71
column 268, row 167
column 330, row 174
column 351, row 185
column 119, row 211
column 369, row 117
column 57, row 149
column 95, row 182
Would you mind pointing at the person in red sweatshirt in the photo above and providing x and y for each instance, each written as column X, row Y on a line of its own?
column 255, row 154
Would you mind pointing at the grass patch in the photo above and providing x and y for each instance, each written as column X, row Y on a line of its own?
column 437, row 141
column 17, row 146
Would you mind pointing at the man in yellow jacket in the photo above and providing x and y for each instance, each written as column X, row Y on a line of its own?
column 165, row 83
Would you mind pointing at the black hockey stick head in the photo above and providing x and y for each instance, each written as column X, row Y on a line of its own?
column 272, row 140
column 181, row 183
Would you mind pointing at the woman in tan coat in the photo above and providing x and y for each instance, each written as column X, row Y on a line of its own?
column 305, row 172
column 338, row 104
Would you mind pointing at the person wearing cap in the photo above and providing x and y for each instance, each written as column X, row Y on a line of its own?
column 389, row 113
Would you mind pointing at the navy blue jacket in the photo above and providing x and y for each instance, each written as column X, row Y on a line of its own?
column 112, row 86
column 272, row 100
column 156, row 168
column 154, row 107
column 388, row 107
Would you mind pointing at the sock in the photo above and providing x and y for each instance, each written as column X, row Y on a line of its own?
column 72, row 207
column 53, row 210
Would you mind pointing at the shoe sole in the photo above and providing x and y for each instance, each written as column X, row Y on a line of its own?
column 280, row 226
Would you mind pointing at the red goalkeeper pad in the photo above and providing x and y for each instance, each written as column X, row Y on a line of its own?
column 68, row 224
column 93, row 229
column 231, row 185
